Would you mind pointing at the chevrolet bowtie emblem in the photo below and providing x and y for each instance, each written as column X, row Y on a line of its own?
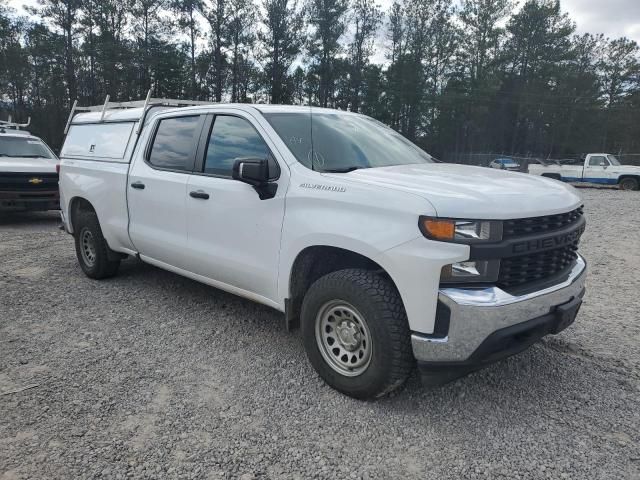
column 35, row 181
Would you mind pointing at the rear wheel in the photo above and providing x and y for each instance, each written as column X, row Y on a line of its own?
column 92, row 250
column 356, row 334
column 629, row 184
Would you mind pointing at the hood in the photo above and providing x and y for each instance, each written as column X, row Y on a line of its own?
column 625, row 169
column 460, row 191
column 28, row 165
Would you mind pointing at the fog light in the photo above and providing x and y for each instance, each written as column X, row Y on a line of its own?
column 465, row 269
column 471, row 271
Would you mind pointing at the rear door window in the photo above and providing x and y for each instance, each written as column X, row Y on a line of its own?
column 175, row 143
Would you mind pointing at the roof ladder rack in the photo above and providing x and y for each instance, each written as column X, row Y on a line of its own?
column 10, row 124
column 104, row 107
column 146, row 104
column 73, row 110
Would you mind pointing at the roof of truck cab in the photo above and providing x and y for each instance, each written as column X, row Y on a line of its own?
column 135, row 114
column 267, row 108
column 295, row 109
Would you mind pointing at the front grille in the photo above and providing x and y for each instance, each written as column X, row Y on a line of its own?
column 519, row 271
column 528, row 226
column 28, row 182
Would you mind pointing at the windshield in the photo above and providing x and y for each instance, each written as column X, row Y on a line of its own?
column 613, row 160
column 343, row 142
column 23, row 147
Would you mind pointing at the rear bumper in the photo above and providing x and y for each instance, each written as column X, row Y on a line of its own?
column 488, row 324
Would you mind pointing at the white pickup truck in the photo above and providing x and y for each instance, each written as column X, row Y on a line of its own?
column 599, row 168
column 28, row 171
column 382, row 255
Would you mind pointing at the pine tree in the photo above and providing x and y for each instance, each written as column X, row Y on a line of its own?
column 327, row 19
column 281, row 42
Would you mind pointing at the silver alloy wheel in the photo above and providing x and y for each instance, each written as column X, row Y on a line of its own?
column 343, row 338
column 87, row 247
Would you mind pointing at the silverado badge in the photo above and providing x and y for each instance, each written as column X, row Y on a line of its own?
column 35, row 181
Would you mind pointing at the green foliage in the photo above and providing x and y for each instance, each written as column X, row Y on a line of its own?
column 281, row 39
column 456, row 77
column 327, row 21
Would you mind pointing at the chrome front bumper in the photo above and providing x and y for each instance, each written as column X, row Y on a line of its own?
column 477, row 313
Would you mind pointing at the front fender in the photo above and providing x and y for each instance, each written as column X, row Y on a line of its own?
column 415, row 268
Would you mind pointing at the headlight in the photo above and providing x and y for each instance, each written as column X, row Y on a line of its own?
column 465, row 232
column 461, row 231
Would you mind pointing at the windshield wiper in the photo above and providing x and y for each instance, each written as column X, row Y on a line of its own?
column 342, row 170
column 29, row 156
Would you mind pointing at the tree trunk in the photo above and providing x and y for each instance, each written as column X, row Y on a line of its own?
column 70, row 68
column 192, row 32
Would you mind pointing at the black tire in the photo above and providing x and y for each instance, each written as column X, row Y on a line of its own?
column 553, row 176
column 89, row 239
column 629, row 183
column 376, row 299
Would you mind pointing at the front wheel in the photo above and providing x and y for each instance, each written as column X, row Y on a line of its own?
column 92, row 249
column 629, row 184
column 553, row 176
column 356, row 334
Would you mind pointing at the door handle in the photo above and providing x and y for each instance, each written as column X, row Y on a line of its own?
column 138, row 185
column 199, row 194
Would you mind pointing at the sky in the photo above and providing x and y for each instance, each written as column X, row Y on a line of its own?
column 614, row 18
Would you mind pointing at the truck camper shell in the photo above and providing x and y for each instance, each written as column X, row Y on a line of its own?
column 109, row 132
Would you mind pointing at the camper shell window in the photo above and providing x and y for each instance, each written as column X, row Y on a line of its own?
column 106, row 141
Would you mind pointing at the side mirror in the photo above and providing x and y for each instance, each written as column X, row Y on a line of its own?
column 254, row 171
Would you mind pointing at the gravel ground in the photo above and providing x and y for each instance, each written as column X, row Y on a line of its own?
column 150, row 375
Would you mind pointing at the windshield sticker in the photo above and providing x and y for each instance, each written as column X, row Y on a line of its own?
column 33, row 142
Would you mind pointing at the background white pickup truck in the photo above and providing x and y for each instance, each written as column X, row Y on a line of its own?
column 599, row 168
column 28, row 171
column 383, row 256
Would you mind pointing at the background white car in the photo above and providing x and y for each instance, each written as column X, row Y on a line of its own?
column 505, row 164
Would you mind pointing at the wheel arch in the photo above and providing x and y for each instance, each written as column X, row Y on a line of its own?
column 622, row 177
column 316, row 261
column 78, row 205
